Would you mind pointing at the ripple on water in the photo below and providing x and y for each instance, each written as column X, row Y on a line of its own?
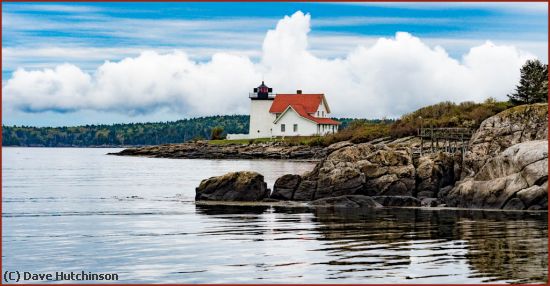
column 76, row 209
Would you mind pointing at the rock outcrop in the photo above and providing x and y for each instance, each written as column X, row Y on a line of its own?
column 506, row 166
column 205, row 150
column 497, row 133
column 389, row 170
column 433, row 172
column 381, row 169
column 397, row 201
column 336, row 175
column 285, row 186
column 348, row 201
column 515, row 179
column 236, row 186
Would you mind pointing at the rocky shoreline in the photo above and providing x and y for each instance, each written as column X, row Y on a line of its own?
column 505, row 167
column 205, row 150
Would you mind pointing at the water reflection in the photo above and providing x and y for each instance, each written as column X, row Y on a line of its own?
column 409, row 245
column 230, row 210
column 73, row 209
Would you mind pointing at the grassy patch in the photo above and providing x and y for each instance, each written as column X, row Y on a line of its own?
column 358, row 131
column 447, row 114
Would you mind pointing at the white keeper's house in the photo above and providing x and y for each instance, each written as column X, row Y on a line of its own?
column 279, row 115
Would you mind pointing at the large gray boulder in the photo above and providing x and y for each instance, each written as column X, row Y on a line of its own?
column 506, row 166
column 497, row 133
column 305, row 191
column 342, row 178
column 389, row 171
column 515, row 179
column 235, row 186
column 285, row 187
column 338, row 174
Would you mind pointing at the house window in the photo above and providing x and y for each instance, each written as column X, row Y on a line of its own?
column 282, row 128
column 295, row 128
column 317, row 113
column 322, row 114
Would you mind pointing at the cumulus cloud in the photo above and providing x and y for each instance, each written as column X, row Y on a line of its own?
column 138, row 85
column 388, row 78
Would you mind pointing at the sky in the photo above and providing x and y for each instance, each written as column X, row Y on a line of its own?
column 66, row 64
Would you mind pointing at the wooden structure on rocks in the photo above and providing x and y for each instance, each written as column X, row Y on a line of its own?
column 448, row 140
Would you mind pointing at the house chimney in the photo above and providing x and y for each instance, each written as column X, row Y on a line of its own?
column 299, row 91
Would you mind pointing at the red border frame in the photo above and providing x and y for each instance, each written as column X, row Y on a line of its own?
column 141, row 1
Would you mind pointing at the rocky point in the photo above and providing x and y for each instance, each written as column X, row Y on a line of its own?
column 505, row 167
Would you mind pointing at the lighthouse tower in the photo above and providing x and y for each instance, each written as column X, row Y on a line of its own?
column 261, row 121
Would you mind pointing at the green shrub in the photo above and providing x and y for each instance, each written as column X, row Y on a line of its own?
column 217, row 133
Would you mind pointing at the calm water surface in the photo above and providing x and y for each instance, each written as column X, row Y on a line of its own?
column 78, row 209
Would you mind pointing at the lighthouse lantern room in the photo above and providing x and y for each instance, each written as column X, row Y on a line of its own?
column 260, row 118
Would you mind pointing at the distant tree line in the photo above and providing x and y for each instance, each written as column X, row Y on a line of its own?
column 123, row 134
column 133, row 134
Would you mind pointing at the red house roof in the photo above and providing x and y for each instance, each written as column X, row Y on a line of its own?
column 326, row 121
column 310, row 102
column 303, row 104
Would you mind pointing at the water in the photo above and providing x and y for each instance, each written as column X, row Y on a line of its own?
column 80, row 210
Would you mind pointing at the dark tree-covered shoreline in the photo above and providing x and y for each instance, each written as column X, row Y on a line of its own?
column 132, row 134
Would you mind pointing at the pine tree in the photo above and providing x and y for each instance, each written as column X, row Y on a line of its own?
column 533, row 85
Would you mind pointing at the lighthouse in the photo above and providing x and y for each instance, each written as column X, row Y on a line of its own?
column 260, row 118
column 287, row 114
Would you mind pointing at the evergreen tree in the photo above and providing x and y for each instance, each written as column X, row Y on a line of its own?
column 533, row 85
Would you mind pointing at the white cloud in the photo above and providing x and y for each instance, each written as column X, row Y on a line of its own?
column 137, row 86
column 88, row 58
column 387, row 77
column 54, row 8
